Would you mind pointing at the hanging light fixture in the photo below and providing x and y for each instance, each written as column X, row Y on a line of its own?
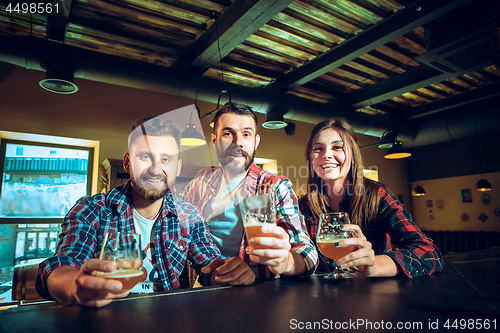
column 59, row 79
column 387, row 139
column 274, row 119
column 190, row 136
column 418, row 191
column 482, row 184
column 397, row 151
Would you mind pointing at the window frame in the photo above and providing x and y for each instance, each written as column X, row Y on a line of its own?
column 3, row 151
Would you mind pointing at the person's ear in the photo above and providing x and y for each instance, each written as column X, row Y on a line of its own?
column 126, row 162
column 213, row 139
column 257, row 140
column 179, row 167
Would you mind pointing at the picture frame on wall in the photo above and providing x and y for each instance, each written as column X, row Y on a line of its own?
column 466, row 195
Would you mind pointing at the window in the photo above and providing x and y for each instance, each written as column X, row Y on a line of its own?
column 41, row 179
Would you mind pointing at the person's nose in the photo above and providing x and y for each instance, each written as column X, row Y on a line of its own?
column 156, row 167
column 328, row 154
column 238, row 140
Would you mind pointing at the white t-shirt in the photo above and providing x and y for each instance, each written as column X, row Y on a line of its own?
column 145, row 228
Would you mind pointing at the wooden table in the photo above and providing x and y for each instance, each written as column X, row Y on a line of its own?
column 465, row 297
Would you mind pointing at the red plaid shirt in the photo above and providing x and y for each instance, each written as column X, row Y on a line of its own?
column 202, row 189
column 393, row 233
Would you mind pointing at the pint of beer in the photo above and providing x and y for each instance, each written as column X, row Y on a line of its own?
column 259, row 209
column 124, row 250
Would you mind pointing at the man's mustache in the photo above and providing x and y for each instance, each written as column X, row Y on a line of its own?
column 145, row 176
column 235, row 151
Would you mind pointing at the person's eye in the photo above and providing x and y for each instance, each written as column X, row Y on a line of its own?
column 145, row 157
column 227, row 134
column 247, row 135
column 165, row 159
column 338, row 147
column 316, row 149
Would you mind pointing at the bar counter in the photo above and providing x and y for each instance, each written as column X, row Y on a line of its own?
column 464, row 297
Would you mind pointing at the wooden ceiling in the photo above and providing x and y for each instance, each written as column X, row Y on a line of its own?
column 400, row 58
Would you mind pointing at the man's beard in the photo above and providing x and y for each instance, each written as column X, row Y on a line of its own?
column 231, row 166
column 144, row 190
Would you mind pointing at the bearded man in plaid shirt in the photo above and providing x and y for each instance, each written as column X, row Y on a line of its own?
column 172, row 231
column 214, row 191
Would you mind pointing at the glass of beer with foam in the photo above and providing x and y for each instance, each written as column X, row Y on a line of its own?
column 125, row 251
column 259, row 209
column 330, row 231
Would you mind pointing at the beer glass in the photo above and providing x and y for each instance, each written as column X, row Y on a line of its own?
column 125, row 251
column 259, row 209
column 330, row 231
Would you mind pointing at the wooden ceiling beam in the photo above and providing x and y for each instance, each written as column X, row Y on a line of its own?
column 464, row 98
column 234, row 25
column 383, row 32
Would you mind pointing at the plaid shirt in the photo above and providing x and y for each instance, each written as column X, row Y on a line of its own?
column 393, row 233
column 180, row 234
column 202, row 189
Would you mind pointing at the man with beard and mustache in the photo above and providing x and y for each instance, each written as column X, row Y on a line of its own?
column 172, row 231
column 215, row 190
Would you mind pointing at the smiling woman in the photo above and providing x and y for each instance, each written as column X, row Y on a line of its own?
column 387, row 242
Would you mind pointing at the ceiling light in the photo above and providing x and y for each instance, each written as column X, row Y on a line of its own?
column 397, row 152
column 274, row 120
column 483, row 185
column 387, row 139
column 59, row 79
column 190, row 137
column 418, row 191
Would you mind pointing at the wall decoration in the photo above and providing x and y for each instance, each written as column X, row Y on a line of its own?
column 464, row 217
column 401, row 198
column 482, row 217
column 497, row 211
column 466, row 195
column 431, row 215
column 440, row 204
column 430, row 204
column 486, row 198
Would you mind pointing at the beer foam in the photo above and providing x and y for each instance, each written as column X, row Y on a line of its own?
column 119, row 274
column 253, row 224
column 330, row 240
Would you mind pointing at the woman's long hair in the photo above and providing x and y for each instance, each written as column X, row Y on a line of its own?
column 364, row 202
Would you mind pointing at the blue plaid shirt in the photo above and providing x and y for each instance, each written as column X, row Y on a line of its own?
column 180, row 234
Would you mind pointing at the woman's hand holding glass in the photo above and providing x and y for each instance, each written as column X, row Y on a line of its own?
column 331, row 238
column 363, row 257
